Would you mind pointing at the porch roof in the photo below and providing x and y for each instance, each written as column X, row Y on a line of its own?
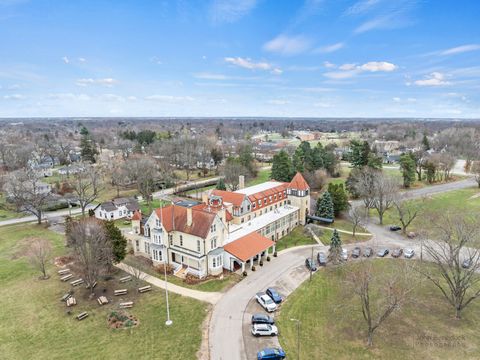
column 248, row 246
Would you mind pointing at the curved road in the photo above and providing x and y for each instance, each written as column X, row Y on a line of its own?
column 225, row 332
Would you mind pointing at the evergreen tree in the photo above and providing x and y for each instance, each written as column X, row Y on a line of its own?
column 325, row 206
column 282, row 169
column 318, row 156
column 221, row 185
column 116, row 240
column 339, row 198
column 425, row 143
column 359, row 152
column 298, row 160
column 407, row 167
column 335, row 251
column 87, row 145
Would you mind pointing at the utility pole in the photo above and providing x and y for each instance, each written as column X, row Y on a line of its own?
column 168, row 322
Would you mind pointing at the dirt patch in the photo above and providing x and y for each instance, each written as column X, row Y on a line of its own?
column 204, row 351
column 476, row 196
column 121, row 320
column 63, row 260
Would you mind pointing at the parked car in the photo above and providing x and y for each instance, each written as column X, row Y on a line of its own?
column 397, row 252
column 264, row 330
column 271, row 354
column 368, row 252
column 344, row 255
column 395, row 228
column 322, row 259
column 466, row 263
column 310, row 264
column 277, row 299
column 356, row 252
column 266, row 302
column 262, row 319
column 382, row 252
column 409, row 253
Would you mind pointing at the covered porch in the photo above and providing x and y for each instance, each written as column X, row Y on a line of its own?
column 247, row 251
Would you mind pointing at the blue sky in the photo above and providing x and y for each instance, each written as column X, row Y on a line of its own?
column 312, row 58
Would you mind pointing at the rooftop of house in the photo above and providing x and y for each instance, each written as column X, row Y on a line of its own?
column 248, row 246
column 251, row 190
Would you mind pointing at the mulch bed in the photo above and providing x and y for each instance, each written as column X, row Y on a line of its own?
column 121, row 320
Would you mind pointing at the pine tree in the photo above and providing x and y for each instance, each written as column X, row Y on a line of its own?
column 407, row 166
column 221, row 185
column 87, row 145
column 325, row 206
column 335, row 251
column 425, row 143
column 339, row 198
column 282, row 169
column 117, row 241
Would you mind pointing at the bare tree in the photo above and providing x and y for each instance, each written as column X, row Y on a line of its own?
column 137, row 274
column 363, row 184
column 91, row 249
column 357, row 216
column 232, row 170
column 475, row 169
column 385, row 190
column 38, row 254
column 380, row 293
column 455, row 262
column 406, row 213
column 143, row 170
column 27, row 192
column 86, row 185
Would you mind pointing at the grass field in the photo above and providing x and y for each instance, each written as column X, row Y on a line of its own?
column 34, row 323
column 262, row 176
column 296, row 238
column 332, row 326
column 464, row 201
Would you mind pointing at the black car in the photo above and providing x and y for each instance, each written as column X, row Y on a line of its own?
column 368, row 252
column 382, row 252
column 277, row 299
column 310, row 264
column 322, row 259
column 356, row 252
column 395, row 228
column 262, row 319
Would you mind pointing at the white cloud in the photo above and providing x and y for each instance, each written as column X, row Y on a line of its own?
column 66, row 60
column 330, row 48
column 361, row 7
column 229, row 11
column 113, row 97
column 210, row 76
column 278, row 102
column 247, row 63
column 82, row 60
column 102, row 81
column 339, row 75
column 461, row 49
column 396, row 99
column 68, row 96
column 169, row 98
column 434, row 79
column 322, row 105
column 156, row 60
column 14, row 97
column 347, row 67
column 375, row 66
column 329, row 65
column 287, row 45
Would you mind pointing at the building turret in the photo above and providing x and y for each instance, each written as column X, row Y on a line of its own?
column 298, row 193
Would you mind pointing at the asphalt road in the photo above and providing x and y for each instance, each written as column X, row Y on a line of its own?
column 229, row 336
column 46, row 216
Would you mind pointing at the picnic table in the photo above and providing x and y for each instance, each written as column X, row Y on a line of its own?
column 71, row 301
column 120, row 292
column 125, row 279
column 66, row 277
column 127, row 304
column 82, row 315
column 102, row 300
column 77, row 282
column 144, row 289
column 63, row 271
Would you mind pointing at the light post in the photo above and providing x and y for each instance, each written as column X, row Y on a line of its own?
column 168, row 322
column 298, row 337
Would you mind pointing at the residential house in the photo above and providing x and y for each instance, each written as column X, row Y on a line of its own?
column 119, row 208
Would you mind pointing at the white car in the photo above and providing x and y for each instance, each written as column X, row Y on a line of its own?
column 266, row 302
column 408, row 253
column 344, row 255
column 264, row 330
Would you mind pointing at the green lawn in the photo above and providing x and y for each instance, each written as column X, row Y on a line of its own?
column 7, row 211
column 332, row 326
column 262, row 176
column 34, row 323
column 213, row 285
column 464, row 201
column 296, row 238
column 156, row 203
column 326, row 236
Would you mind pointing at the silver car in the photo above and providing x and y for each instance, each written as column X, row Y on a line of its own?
column 409, row 253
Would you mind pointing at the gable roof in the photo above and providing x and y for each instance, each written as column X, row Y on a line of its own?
column 248, row 246
column 137, row 215
column 298, row 182
column 231, row 197
column 174, row 218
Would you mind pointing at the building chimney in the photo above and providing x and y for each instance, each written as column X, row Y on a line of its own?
column 189, row 216
column 241, row 182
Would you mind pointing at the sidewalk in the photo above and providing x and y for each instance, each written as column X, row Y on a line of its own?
column 210, row 297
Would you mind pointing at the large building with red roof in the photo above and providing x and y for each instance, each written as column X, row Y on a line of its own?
column 227, row 230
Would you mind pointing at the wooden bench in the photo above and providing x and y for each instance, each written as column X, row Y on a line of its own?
column 144, row 289
column 82, row 315
column 63, row 271
column 125, row 279
column 102, row 300
column 66, row 277
column 88, row 285
column 65, row 297
column 120, row 292
column 126, row 305
column 71, row 301
column 76, row 282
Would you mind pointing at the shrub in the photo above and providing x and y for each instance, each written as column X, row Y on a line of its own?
column 253, row 268
column 244, row 273
column 261, row 263
column 268, row 258
column 191, row 279
column 160, row 269
column 275, row 254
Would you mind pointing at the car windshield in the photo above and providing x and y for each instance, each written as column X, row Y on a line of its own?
column 268, row 300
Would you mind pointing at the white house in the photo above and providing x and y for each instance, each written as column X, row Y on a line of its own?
column 116, row 209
